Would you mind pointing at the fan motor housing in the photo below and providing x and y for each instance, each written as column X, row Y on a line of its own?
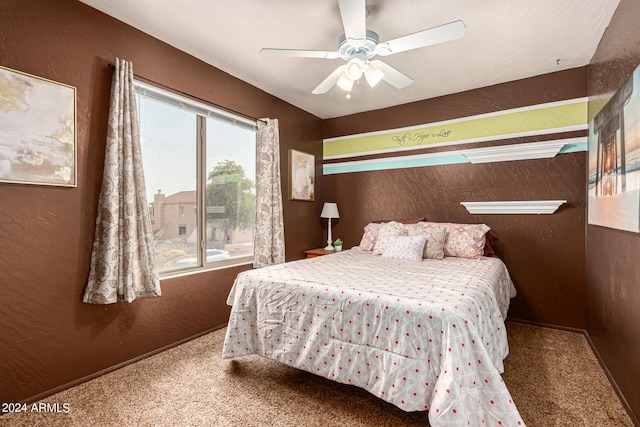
column 363, row 49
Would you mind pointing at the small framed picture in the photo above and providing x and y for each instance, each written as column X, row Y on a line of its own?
column 302, row 174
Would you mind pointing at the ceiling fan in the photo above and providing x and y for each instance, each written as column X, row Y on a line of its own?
column 358, row 46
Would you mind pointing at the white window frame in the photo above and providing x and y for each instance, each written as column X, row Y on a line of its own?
column 203, row 111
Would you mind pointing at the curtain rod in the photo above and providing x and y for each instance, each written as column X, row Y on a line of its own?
column 229, row 110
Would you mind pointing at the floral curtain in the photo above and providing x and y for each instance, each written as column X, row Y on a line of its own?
column 123, row 265
column 268, row 242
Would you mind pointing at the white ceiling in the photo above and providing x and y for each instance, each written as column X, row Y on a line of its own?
column 505, row 40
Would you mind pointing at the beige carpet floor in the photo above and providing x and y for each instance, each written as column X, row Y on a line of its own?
column 553, row 376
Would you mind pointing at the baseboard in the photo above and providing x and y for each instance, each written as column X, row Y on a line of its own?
column 90, row 377
column 612, row 381
column 627, row 407
column 547, row 325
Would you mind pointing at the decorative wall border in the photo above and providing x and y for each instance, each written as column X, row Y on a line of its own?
column 525, row 151
column 514, row 207
column 533, row 120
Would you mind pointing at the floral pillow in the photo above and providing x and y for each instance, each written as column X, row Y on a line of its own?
column 434, row 248
column 408, row 248
column 389, row 229
column 464, row 240
column 369, row 237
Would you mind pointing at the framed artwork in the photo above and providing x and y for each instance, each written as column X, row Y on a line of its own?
column 302, row 174
column 37, row 130
column 614, row 160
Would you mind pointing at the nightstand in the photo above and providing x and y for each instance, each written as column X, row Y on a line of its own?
column 312, row 253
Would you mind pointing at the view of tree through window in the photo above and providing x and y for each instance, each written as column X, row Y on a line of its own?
column 230, row 207
column 187, row 237
column 230, row 194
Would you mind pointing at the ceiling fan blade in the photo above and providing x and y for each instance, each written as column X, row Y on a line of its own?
column 393, row 76
column 443, row 33
column 330, row 81
column 298, row 53
column 354, row 19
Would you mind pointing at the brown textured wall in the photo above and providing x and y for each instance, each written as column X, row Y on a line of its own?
column 48, row 337
column 612, row 274
column 546, row 88
column 543, row 252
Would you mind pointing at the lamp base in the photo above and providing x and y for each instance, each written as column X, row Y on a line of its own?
column 329, row 247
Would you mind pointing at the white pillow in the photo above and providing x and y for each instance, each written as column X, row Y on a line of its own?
column 408, row 248
column 388, row 229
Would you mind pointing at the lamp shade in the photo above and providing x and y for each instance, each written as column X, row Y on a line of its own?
column 373, row 74
column 345, row 83
column 354, row 69
column 330, row 210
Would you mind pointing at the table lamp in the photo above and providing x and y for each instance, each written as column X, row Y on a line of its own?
column 329, row 210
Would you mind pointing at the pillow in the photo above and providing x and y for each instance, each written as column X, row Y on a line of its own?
column 490, row 245
column 434, row 249
column 369, row 237
column 463, row 240
column 401, row 221
column 408, row 248
column 389, row 229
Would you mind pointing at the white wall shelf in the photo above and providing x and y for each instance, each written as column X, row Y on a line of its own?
column 514, row 207
column 526, row 151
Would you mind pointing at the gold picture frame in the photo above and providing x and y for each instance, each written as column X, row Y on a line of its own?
column 302, row 175
column 38, row 133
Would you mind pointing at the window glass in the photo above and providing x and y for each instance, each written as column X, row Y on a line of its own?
column 196, row 156
column 230, row 196
column 169, row 154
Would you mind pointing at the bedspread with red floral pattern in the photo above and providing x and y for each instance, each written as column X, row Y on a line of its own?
column 426, row 335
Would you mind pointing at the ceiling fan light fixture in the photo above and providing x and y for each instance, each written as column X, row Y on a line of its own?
column 359, row 45
column 344, row 82
column 354, row 69
column 373, row 74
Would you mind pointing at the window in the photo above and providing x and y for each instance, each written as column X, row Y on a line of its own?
column 199, row 166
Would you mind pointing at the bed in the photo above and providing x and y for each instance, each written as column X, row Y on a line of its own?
column 424, row 336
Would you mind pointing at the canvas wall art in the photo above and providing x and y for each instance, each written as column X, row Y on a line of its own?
column 37, row 130
column 614, row 160
column 301, row 176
